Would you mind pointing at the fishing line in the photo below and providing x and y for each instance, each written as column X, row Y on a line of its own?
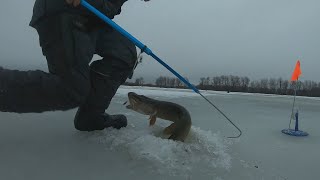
column 148, row 51
column 240, row 132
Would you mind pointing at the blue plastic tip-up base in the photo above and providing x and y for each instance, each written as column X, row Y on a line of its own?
column 292, row 132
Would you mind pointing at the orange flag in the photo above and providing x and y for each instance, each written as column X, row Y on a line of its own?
column 297, row 72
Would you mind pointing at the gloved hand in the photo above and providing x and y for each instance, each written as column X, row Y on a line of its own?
column 73, row 2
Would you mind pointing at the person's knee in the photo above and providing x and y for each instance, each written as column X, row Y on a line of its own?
column 76, row 85
column 101, row 67
column 110, row 69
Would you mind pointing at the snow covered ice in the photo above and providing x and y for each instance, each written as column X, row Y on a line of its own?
column 46, row 145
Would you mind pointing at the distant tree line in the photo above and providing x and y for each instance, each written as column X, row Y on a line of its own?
column 169, row 82
column 232, row 83
column 265, row 85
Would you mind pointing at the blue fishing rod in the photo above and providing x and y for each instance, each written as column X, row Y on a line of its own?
column 148, row 51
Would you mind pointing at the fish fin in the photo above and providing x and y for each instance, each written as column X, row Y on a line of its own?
column 152, row 120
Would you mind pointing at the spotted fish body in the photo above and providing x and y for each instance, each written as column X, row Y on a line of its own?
column 176, row 113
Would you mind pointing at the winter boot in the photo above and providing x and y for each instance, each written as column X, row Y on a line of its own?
column 91, row 115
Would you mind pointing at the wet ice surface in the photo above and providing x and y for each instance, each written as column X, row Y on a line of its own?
column 46, row 146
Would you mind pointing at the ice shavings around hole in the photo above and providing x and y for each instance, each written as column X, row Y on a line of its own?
column 147, row 145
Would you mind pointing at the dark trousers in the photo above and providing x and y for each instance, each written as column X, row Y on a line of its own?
column 68, row 44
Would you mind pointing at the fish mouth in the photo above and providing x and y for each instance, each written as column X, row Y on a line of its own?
column 139, row 103
column 130, row 95
column 133, row 96
column 133, row 99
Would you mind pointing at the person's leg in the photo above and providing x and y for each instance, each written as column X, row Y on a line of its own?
column 105, row 80
column 68, row 51
column 106, row 77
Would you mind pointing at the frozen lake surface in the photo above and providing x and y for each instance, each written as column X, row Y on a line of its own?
column 46, row 145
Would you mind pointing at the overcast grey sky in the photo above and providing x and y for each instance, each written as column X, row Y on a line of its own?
column 202, row 38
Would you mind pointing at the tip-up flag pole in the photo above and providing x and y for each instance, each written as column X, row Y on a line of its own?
column 295, row 132
column 295, row 76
